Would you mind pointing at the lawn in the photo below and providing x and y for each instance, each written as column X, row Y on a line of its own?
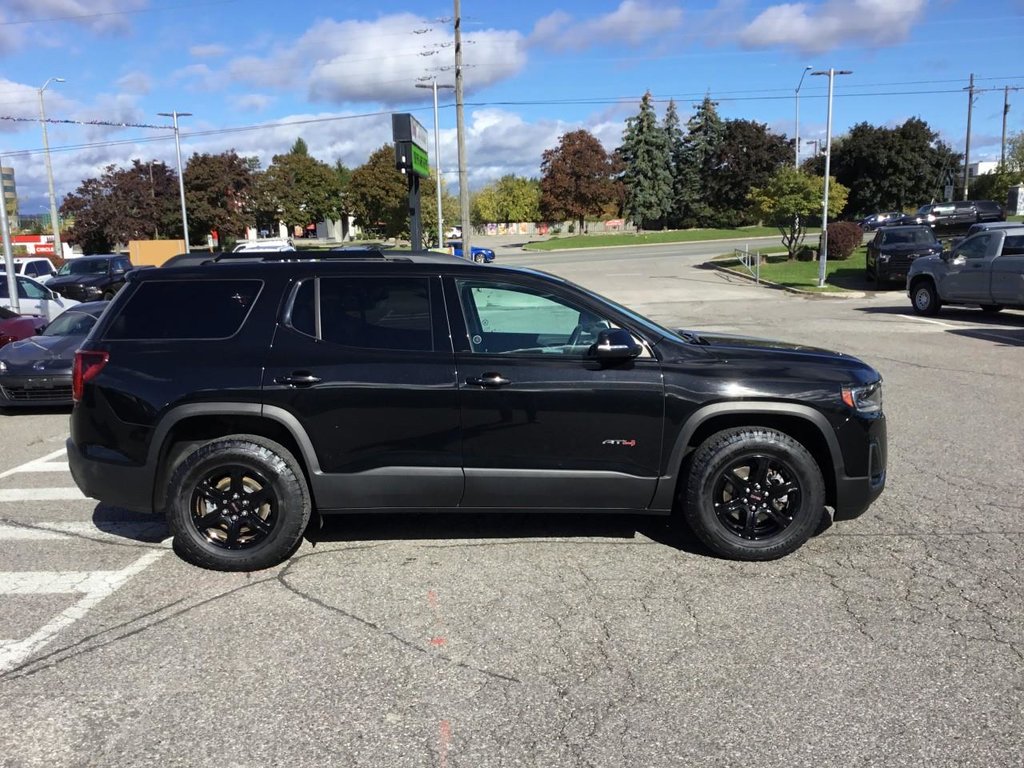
column 847, row 275
column 647, row 238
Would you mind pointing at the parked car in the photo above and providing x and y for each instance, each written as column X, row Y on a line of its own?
column 876, row 220
column 453, row 233
column 34, row 298
column 343, row 383
column 37, row 370
column 480, row 255
column 266, row 244
column 37, row 267
column 14, row 327
column 893, row 249
column 944, row 217
column 985, row 270
column 989, row 225
column 91, row 278
column 988, row 210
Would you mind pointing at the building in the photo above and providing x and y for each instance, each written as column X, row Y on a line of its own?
column 10, row 194
column 974, row 170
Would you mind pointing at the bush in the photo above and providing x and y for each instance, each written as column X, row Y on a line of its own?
column 806, row 253
column 844, row 237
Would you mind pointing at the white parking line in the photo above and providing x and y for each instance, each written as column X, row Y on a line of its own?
column 926, row 320
column 28, row 466
column 148, row 532
column 41, row 494
column 96, row 585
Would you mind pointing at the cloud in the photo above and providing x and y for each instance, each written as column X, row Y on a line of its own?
column 20, row 101
column 819, row 28
column 209, row 51
column 380, row 61
column 138, row 83
column 633, row 23
column 252, row 102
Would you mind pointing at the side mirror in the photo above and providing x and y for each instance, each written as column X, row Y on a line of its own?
column 615, row 344
column 945, row 254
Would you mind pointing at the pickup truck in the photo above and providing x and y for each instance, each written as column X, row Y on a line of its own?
column 91, row 278
column 985, row 270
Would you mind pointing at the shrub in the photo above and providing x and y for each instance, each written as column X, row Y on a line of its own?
column 806, row 253
column 843, row 239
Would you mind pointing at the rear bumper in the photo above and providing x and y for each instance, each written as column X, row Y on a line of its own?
column 110, row 481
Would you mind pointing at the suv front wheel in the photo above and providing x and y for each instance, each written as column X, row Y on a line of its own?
column 238, row 503
column 753, row 494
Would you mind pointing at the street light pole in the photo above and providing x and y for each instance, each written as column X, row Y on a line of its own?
column 796, row 153
column 437, row 157
column 54, row 221
column 823, row 258
column 181, row 173
column 5, row 235
column 460, row 126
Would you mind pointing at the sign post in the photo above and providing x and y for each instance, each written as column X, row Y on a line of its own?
column 411, row 158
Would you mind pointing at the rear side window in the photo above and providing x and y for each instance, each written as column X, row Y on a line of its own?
column 185, row 309
column 367, row 312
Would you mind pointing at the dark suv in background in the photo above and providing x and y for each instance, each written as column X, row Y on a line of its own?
column 91, row 278
column 944, row 217
column 988, row 210
column 376, row 382
column 893, row 249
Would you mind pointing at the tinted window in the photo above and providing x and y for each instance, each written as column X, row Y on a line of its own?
column 185, row 309
column 84, row 267
column 367, row 312
column 29, row 290
column 975, row 247
column 1013, row 246
column 71, row 323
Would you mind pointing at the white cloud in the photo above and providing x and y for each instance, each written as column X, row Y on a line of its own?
column 138, row 83
column 20, row 101
column 633, row 23
column 380, row 61
column 252, row 102
column 823, row 27
column 209, row 51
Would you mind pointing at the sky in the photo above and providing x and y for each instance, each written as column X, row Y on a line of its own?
column 256, row 75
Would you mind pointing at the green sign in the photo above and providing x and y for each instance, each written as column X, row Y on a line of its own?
column 420, row 161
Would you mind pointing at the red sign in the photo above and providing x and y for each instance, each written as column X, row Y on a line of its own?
column 45, row 249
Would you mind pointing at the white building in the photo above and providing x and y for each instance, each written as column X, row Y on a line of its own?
column 982, row 167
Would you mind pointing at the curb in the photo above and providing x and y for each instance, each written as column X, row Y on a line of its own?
column 799, row 291
column 648, row 245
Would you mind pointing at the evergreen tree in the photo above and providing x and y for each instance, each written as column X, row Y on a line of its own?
column 704, row 135
column 646, row 177
column 673, row 130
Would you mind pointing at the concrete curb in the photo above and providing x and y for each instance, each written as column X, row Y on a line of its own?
column 800, row 291
column 647, row 245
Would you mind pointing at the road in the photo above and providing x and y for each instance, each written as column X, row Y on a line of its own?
column 895, row 639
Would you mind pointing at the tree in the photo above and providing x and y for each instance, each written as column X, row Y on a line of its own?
column 676, row 149
column 299, row 147
column 704, row 133
column 135, row 203
column 647, row 177
column 299, row 189
column 575, row 178
column 378, row 195
column 747, row 157
column 510, row 199
column 889, row 169
column 219, row 192
column 790, row 198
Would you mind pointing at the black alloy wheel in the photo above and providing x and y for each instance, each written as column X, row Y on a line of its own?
column 237, row 503
column 753, row 493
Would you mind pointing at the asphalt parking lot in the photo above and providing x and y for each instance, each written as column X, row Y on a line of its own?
column 896, row 639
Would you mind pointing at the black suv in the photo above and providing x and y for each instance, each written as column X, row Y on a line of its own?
column 380, row 382
column 893, row 249
column 944, row 217
column 91, row 278
column 988, row 210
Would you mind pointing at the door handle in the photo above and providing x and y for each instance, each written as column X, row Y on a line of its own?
column 299, row 380
column 489, row 380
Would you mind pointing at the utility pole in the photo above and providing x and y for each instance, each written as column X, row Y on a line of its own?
column 181, row 173
column 967, row 149
column 1006, row 111
column 5, row 233
column 823, row 257
column 460, row 126
column 58, row 250
column 796, row 154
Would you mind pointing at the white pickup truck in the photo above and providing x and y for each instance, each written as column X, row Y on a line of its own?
column 985, row 270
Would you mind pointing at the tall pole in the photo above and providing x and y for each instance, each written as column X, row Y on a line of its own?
column 1006, row 111
column 181, row 173
column 461, row 130
column 5, row 233
column 823, row 259
column 967, row 149
column 437, row 158
column 796, row 153
column 54, row 221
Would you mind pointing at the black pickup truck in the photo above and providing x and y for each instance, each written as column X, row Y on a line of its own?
column 91, row 278
column 985, row 270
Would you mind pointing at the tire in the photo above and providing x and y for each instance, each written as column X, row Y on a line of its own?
column 868, row 274
column 212, row 523
column 991, row 309
column 109, row 295
column 479, row 258
column 763, row 519
column 925, row 299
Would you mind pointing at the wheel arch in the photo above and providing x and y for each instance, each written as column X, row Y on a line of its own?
column 190, row 425
column 803, row 423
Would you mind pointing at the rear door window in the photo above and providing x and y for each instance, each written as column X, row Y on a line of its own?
column 185, row 309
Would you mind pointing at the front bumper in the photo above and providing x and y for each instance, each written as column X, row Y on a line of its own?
column 854, row 494
column 27, row 391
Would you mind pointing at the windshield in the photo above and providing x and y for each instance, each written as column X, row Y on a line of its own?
column 71, row 323
column 84, row 267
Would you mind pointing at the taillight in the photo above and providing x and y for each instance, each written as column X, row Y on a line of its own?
column 5, row 339
column 88, row 364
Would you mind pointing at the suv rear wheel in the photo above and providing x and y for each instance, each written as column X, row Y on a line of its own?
column 238, row 503
column 753, row 494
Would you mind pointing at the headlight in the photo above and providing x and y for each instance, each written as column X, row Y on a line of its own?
column 866, row 399
column 92, row 290
column 883, row 257
column 3, row 367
